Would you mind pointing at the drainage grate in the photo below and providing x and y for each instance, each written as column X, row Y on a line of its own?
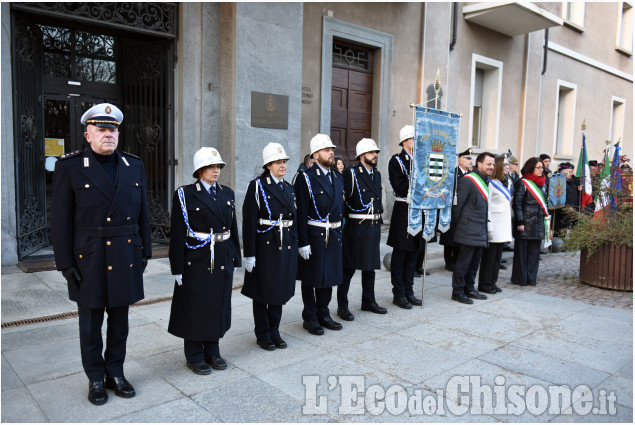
column 72, row 314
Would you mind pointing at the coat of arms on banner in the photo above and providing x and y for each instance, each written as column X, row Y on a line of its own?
column 434, row 157
column 557, row 191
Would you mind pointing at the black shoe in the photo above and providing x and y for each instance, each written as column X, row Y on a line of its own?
column 427, row 273
column 503, row 261
column 474, row 294
column 502, row 267
column 418, row 272
column 462, row 299
column 200, row 368
column 216, row 362
column 497, row 288
column 402, row 302
column 449, row 268
column 413, row 300
column 532, row 284
column 266, row 345
column 121, row 386
column 313, row 327
column 373, row 307
column 329, row 323
column 487, row 289
column 345, row 314
column 97, row 393
column 279, row 342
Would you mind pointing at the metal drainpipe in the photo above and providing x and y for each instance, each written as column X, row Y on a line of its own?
column 546, row 48
column 455, row 12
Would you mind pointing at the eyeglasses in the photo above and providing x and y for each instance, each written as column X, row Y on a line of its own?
column 539, row 167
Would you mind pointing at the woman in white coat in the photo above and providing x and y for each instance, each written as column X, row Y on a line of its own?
column 499, row 228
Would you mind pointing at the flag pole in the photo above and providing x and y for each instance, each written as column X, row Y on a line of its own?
column 583, row 179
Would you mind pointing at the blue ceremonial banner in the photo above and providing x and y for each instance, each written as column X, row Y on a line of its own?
column 557, row 191
column 434, row 161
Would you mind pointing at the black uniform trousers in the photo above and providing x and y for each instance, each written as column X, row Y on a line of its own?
column 316, row 302
column 490, row 265
column 368, row 287
column 526, row 260
column 91, row 343
column 196, row 351
column 450, row 255
column 402, row 271
column 465, row 269
column 267, row 320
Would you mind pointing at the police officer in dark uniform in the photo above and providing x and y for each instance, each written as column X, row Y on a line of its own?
column 270, row 244
column 204, row 250
column 362, row 230
column 451, row 248
column 101, row 240
column 405, row 247
column 319, row 191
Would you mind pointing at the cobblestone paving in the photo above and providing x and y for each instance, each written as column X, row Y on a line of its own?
column 558, row 277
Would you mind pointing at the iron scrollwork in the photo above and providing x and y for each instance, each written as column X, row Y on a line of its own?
column 29, row 128
column 159, row 218
column 32, row 227
column 154, row 17
column 148, row 134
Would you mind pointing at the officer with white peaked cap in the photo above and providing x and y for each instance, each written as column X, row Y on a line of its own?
column 270, row 244
column 204, row 250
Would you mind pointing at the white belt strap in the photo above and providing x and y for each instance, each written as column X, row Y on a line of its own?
column 326, row 225
column 216, row 237
column 365, row 216
column 265, row 222
column 399, row 199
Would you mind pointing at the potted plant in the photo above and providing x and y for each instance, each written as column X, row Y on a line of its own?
column 605, row 238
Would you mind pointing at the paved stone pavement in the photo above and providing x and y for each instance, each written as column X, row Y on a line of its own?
column 521, row 343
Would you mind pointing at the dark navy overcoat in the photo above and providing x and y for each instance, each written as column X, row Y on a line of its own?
column 201, row 307
column 323, row 269
column 101, row 228
column 272, row 280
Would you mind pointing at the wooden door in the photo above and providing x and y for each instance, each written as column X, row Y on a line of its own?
column 351, row 110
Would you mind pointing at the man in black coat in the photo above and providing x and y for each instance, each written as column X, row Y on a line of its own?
column 450, row 248
column 101, row 240
column 319, row 192
column 469, row 218
column 405, row 247
column 362, row 231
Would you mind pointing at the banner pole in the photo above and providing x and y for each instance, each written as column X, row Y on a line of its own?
column 425, row 261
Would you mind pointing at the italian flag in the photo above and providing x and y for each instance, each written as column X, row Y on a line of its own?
column 583, row 172
column 602, row 199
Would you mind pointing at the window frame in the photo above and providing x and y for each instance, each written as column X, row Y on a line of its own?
column 559, row 149
column 493, row 80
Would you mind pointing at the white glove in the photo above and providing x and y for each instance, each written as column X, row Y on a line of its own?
column 305, row 252
column 249, row 263
column 178, row 278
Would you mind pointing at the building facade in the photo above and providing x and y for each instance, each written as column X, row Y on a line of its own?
column 237, row 76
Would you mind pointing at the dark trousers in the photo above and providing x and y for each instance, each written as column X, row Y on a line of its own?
column 316, row 302
column 368, row 287
column 490, row 265
column 465, row 269
column 402, row 272
column 91, row 343
column 450, row 255
column 526, row 260
column 267, row 320
column 196, row 351
column 421, row 256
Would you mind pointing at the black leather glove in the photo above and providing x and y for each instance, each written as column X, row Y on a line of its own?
column 144, row 264
column 73, row 277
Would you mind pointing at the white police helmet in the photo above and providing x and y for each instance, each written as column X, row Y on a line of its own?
column 206, row 156
column 365, row 145
column 103, row 115
column 273, row 152
column 321, row 141
column 406, row 132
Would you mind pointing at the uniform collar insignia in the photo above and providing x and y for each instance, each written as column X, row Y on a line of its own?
column 198, row 187
column 268, row 180
column 125, row 161
column 86, row 162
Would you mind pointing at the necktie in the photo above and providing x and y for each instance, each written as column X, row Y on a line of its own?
column 328, row 173
column 281, row 185
column 212, row 191
column 372, row 176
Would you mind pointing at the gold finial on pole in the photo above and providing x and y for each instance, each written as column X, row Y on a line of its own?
column 412, row 105
column 583, row 125
column 619, row 141
column 608, row 142
column 437, row 89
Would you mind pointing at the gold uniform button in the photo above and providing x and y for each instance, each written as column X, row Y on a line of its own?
column 81, row 256
column 87, row 186
column 108, row 243
column 128, row 218
column 129, row 240
column 136, row 184
column 109, row 267
column 130, row 265
column 222, row 267
column 108, row 219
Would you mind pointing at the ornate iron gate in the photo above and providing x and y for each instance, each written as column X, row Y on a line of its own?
column 148, row 125
column 28, row 127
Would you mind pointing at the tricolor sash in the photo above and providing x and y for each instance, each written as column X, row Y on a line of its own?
column 480, row 185
column 538, row 195
column 502, row 189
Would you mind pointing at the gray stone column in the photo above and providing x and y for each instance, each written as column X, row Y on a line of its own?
column 9, row 243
